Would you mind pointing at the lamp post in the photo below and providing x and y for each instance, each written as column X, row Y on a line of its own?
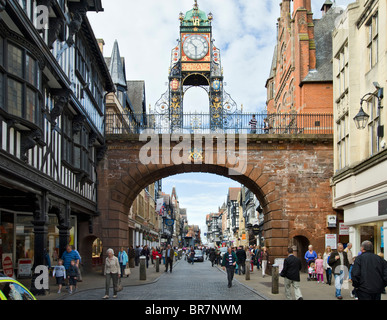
column 361, row 119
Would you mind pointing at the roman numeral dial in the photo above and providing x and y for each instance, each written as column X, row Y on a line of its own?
column 196, row 47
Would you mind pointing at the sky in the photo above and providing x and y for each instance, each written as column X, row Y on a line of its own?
column 245, row 33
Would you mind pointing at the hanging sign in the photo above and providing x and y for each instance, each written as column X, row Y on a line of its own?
column 169, row 222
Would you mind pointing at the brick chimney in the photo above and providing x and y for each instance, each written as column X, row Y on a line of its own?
column 101, row 43
column 305, row 4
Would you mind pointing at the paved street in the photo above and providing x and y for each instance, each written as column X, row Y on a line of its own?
column 200, row 280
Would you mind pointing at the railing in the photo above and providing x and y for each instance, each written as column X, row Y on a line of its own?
column 241, row 123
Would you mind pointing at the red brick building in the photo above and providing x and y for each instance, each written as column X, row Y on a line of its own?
column 300, row 77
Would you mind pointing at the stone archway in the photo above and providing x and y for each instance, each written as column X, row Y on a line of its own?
column 288, row 174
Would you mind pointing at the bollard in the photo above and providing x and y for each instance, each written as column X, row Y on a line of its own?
column 142, row 268
column 275, row 279
column 157, row 264
column 247, row 269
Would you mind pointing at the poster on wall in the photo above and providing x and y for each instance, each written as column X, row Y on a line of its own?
column 331, row 240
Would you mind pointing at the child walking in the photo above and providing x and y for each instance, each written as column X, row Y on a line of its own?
column 72, row 275
column 60, row 274
column 320, row 268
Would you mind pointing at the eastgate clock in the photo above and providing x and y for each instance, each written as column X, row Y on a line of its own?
column 196, row 47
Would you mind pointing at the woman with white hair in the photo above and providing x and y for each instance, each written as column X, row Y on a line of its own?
column 112, row 270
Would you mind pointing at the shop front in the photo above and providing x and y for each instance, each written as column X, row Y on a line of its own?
column 367, row 221
column 17, row 237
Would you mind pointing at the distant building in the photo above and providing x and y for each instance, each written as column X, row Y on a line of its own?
column 125, row 111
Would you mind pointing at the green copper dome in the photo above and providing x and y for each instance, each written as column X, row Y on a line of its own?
column 193, row 16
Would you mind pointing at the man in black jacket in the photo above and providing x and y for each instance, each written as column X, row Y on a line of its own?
column 369, row 273
column 338, row 260
column 241, row 255
column 291, row 273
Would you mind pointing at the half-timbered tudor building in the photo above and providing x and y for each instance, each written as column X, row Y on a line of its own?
column 53, row 82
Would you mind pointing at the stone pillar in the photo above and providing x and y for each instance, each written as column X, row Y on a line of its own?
column 157, row 264
column 40, row 219
column 142, row 268
column 275, row 279
column 63, row 215
column 247, row 269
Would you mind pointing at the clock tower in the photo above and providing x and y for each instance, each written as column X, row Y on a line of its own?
column 195, row 62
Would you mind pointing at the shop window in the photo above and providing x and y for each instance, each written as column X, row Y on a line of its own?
column 6, row 234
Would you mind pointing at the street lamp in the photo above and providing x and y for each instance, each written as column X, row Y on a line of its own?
column 361, row 119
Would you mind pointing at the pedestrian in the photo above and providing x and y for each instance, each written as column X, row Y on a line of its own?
column 253, row 124
column 311, row 271
column 72, row 275
column 156, row 254
column 131, row 256
column 310, row 255
column 320, row 268
column 111, row 271
column 169, row 254
column 350, row 258
column 258, row 257
column 338, row 260
column 67, row 256
column 212, row 256
column 291, row 274
column 229, row 261
column 241, row 255
column 192, row 255
column 79, row 264
column 59, row 274
column 123, row 260
column 327, row 267
column 145, row 252
column 137, row 255
column 369, row 273
column 264, row 260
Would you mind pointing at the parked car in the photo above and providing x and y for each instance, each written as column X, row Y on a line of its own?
column 198, row 256
column 11, row 289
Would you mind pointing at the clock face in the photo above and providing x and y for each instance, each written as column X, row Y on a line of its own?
column 195, row 47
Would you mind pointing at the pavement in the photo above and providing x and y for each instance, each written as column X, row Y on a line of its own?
column 311, row 290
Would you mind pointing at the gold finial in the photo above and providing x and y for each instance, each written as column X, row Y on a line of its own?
column 196, row 6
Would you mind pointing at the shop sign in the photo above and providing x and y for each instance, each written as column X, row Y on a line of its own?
column 7, row 264
column 343, row 229
column 331, row 240
column 256, row 229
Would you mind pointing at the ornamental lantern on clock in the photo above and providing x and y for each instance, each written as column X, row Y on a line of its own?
column 195, row 62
